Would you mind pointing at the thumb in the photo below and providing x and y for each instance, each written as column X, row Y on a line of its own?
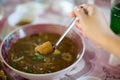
column 79, row 12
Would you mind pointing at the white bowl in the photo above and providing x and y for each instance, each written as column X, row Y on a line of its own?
column 33, row 29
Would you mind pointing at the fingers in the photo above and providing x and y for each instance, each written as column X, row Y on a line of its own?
column 79, row 12
column 80, row 29
column 83, row 10
column 77, row 9
column 73, row 14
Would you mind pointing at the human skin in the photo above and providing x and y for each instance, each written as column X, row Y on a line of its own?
column 93, row 25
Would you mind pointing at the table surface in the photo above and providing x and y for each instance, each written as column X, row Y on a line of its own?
column 95, row 60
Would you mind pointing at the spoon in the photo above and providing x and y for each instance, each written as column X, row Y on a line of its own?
column 65, row 33
column 47, row 47
column 70, row 27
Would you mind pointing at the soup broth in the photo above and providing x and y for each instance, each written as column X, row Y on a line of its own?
column 23, row 57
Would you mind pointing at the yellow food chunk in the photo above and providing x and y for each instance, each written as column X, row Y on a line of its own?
column 45, row 48
column 56, row 52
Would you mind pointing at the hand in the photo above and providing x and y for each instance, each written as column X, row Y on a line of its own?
column 92, row 23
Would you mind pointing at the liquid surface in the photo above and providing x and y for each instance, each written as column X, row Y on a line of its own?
column 23, row 57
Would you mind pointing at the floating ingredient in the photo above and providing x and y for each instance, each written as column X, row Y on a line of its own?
column 45, row 48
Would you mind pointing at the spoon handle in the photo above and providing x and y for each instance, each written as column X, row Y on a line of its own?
column 68, row 29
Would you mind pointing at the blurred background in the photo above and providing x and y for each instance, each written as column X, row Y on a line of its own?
column 16, row 13
column 40, row 11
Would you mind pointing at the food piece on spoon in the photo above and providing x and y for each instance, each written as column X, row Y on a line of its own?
column 44, row 48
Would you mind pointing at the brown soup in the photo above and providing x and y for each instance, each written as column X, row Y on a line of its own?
column 23, row 57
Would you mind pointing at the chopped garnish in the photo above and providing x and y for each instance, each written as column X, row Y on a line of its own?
column 18, row 59
column 38, row 58
column 45, row 48
column 56, row 52
column 67, row 56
